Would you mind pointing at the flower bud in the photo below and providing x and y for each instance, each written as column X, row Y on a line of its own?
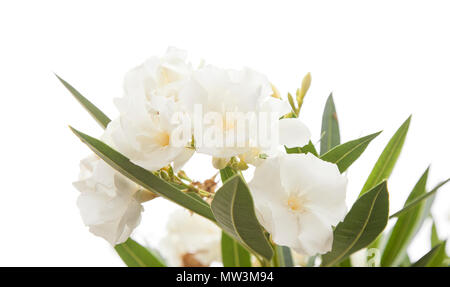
column 219, row 162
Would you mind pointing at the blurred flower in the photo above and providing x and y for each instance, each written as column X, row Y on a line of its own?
column 191, row 240
column 298, row 199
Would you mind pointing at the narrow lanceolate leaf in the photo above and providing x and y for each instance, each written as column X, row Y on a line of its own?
column 363, row 223
column 434, row 258
column 233, row 254
column 406, row 226
column 136, row 255
column 434, row 239
column 234, row 211
column 309, row 148
column 386, row 162
column 95, row 112
column 419, row 199
column 143, row 177
column 284, row 256
column 345, row 154
column 330, row 127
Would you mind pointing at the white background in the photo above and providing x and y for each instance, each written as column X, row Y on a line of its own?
column 383, row 60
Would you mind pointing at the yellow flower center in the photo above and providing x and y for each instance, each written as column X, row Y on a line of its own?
column 163, row 139
column 296, row 203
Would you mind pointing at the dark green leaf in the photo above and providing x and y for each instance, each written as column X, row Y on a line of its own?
column 136, row 255
column 96, row 113
column 143, row 177
column 363, row 223
column 226, row 173
column 386, row 162
column 345, row 154
column 233, row 254
column 330, row 127
column 406, row 226
column 234, row 210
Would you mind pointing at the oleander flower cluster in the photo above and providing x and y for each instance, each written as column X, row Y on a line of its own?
column 295, row 202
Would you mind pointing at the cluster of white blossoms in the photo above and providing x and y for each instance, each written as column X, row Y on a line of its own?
column 171, row 110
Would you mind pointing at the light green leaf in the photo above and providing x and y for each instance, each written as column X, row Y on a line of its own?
column 96, row 113
column 386, row 162
column 330, row 127
column 345, row 154
column 364, row 222
column 234, row 210
column 434, row 258
column 406, row 227
column 419, row 199
column 434, row 240
column 309, row 148
column 311, row 261
column 233, row 254
column 143, row 177
column 406, row 262
column 284, row 256
column 136, row 255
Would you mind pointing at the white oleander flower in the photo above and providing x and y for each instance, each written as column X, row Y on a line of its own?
column 298, row 198
column 144, row 131
column 157, row 77
column 109, row 203
column 225, row 97
column 191, row 240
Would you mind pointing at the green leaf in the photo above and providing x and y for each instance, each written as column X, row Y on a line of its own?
column 406, row 227
column 330, row 127
column 234, row 210
column 311, row 261
column 96, row 113
column 385, row 164
column 406, row 261
column 226, row 173
column 345, row 154
column 143, row 177
column 136, row 255
column 284, row 255
column 419, row 199
column 233, row 254
column 363, row 223
column 309, row 148
column 434, row 240
column 434, row 258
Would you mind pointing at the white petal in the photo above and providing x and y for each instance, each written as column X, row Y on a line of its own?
column 285, row 225
column 293, row 133
column 314, row 235
column 321, row 181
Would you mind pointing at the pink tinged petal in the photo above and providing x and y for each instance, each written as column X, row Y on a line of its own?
column 293, row 133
